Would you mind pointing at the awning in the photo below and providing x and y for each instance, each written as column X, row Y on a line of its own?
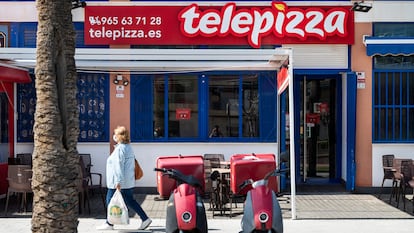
column 9, row 73
column 136, row 61
column 389, row 46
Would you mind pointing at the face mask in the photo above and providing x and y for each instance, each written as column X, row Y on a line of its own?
column 114, row 138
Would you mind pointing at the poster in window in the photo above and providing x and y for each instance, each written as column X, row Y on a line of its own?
column 183, row 113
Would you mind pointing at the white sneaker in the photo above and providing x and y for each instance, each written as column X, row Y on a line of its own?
column 145, row 224
column 105, row 226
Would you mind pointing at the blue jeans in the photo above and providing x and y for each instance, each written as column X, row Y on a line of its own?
column 128, row 195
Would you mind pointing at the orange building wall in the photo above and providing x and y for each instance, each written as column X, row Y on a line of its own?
column 363, row 151
column 119, row 114
column 119, row 106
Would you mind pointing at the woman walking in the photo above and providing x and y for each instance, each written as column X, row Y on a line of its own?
column 120, row 175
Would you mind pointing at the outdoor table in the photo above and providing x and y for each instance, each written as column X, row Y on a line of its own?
column 225, row 164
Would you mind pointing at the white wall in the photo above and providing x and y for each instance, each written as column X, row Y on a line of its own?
column 22, row 147
column 401, row 151
column 147, row 154
column 387, row 11
column 319, row 56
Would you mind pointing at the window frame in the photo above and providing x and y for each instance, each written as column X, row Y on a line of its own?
column 394, row 33
column 26, row 105
column 142, row 113
column 392, row 129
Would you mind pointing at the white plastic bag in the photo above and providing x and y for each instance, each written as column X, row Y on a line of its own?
column 117, row 210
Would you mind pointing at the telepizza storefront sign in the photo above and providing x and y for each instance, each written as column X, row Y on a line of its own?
column 218, row 25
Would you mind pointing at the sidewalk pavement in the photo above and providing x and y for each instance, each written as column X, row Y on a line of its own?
column 329, row 212
column 88, row 225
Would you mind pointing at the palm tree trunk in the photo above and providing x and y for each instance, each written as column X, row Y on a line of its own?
column 56, row 126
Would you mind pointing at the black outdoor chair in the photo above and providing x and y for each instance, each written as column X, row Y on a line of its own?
column 387, row 166
column 94, row 179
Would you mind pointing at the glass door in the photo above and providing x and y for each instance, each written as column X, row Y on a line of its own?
column 318, row 129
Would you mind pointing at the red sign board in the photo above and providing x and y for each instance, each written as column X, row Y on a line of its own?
column 312, row 118
column 282, row 80
column 218, row 25
column 182, row 113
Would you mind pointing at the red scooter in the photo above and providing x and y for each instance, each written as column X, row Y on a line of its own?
column 185, row 209
column 262, row 212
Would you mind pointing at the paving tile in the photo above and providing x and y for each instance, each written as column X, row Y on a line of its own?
column 308, row 206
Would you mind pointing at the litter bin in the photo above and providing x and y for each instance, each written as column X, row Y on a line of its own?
column 188, row 165
column 251, row 166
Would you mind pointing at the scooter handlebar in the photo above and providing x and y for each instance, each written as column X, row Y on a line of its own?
column 276, row 172
column 180, row 177
column 245, row 183
column 160, row 169
column 283, row 170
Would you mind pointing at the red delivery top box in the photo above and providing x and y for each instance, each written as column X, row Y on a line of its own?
column 188, row 165
column 251, row 166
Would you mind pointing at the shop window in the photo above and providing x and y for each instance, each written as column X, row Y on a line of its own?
column 26, row 105
column 393, row 106
column 190, row 107
column 4, row 116
column 250, row 110
column 159, row 107
column 174, row 109
column 182, row 106
column 93, row 104
column 93, row 100
column 223, row 114
column 394, row 30
column 394, row 62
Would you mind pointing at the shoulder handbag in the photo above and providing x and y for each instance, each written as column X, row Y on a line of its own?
column 138, row 171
